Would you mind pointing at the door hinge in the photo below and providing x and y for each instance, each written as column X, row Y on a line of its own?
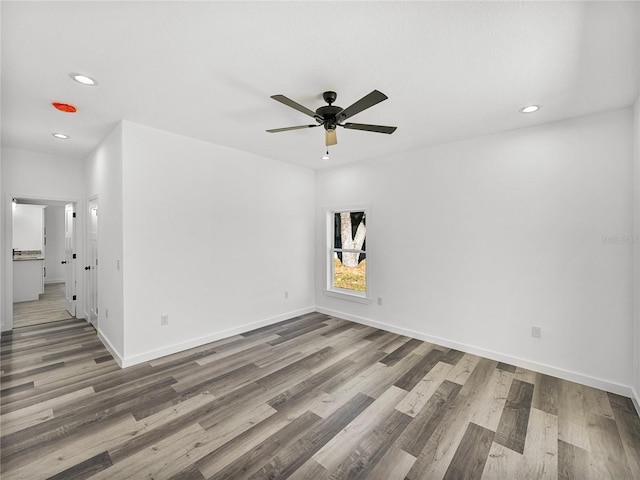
column 74, row 214
column 74, row 297
column 73, row 256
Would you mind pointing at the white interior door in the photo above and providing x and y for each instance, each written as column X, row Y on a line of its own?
column 92, row 268
column 69, row 250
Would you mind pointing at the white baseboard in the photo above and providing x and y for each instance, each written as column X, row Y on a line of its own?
column 635, row 398
column 196, row 342
column 114, row 353
column 594, row 382
column 48, row 281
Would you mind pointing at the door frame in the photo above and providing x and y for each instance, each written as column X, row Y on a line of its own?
column 7, row 283
column 93, row 273
column 70, row 277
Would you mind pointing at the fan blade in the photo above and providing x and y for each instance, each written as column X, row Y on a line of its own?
column 330, row 138
column 369, row 128
column 290, row 103
column 365, row 102
column 285, row 129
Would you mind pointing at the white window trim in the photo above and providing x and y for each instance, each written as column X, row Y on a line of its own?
column 330, row 290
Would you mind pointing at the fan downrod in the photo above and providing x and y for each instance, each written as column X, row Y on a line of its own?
column 329, row 97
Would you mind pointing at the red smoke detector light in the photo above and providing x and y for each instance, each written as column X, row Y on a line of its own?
column 64, row 107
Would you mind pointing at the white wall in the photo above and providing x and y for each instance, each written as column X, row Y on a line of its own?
column 636, row 251
column 34, row 175
column 54, row 249
column 472, row 243
column 41, row 176
column 213, row 237
column 104, row 180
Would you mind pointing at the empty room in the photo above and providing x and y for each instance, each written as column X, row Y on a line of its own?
column 320, row 240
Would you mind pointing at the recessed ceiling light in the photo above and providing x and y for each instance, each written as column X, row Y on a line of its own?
column 83, row 79
column 530, row 109
column 62, row 136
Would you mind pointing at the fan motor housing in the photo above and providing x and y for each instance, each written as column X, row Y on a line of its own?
column 329, row 115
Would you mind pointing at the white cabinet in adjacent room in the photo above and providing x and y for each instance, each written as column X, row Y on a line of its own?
column 28, row 279
column 28, row 227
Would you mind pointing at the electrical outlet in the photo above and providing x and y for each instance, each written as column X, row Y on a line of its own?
column 164, row 319
column 379, row 300
column 536, row 332
column 286, row 294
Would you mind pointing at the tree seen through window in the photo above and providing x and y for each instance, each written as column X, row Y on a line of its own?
column 350, row 263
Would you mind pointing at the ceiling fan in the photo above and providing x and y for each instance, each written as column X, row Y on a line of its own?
column 331, row 116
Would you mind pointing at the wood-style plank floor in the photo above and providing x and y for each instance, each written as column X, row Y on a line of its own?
column 49, row 308
column 314, row 397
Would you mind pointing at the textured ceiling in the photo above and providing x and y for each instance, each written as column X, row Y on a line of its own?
column 452, row 70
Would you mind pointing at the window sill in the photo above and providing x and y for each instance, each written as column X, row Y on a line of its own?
column 345, row 295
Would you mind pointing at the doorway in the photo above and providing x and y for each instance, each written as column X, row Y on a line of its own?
column 56, row 299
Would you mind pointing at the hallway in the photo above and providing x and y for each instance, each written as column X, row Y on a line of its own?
column 49, row 308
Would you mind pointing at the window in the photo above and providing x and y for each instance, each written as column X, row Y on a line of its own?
column 347, row 254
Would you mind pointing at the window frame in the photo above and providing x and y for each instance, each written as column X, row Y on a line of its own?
column 330, row 250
